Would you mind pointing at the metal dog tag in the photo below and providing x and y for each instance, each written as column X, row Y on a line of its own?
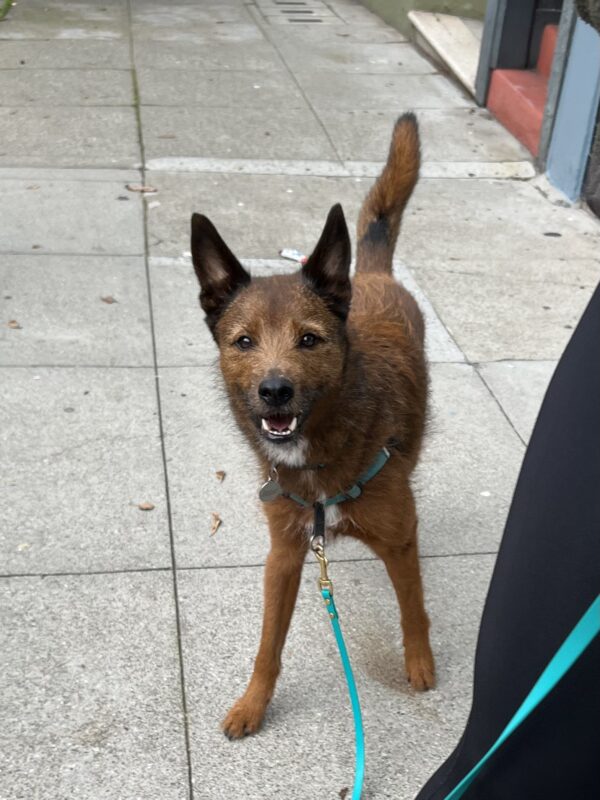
column 270, row 490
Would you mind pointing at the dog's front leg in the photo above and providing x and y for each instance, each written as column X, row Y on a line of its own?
column 282, row 579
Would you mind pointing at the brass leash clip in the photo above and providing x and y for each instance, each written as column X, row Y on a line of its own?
column 318, row 549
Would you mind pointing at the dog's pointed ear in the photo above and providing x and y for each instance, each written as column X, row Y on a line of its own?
column 327, row 270
column 219, row 272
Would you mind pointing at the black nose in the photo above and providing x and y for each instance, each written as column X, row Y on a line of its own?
column 276, row 391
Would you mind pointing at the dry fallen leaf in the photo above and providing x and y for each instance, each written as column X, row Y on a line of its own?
column 12, row 323
column 215, row 524
column 220, row 475
column 344, row 792
column 146, row 506
column 138, row 187
column 109, row 299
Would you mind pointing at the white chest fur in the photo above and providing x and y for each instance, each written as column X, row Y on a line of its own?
column 333, row 516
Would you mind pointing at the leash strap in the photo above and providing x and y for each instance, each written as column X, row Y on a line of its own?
column 567, row 654
column 326, row 589
column 359, row 756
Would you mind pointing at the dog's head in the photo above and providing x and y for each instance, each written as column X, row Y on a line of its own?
column 282, row 339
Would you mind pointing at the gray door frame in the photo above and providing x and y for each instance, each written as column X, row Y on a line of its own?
column 576, row 112
column 505, row 45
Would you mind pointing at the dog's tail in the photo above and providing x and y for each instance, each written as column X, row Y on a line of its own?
column 381, row 212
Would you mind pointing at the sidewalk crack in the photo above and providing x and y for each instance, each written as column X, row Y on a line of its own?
column 178, row 626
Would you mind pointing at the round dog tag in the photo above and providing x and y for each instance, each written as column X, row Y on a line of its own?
column 270, row 490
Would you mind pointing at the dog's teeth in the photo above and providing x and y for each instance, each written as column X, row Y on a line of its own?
column 266, row 426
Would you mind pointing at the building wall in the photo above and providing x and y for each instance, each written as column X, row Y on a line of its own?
column 395, row 11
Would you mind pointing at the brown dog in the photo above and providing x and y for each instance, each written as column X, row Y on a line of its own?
column 321, row 373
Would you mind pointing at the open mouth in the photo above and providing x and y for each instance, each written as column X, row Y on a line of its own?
column 279, row 427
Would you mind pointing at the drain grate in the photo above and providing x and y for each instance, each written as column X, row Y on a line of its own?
column 285, row 11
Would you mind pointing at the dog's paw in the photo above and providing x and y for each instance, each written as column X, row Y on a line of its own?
column 244, row 718
column 420, row 670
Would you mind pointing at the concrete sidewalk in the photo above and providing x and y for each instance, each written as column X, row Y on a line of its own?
column 126, row 634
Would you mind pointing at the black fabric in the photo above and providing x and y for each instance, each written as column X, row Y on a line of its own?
column 546, row 576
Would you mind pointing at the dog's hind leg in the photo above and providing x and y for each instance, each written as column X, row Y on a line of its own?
column 402, row 563
column 283, row 570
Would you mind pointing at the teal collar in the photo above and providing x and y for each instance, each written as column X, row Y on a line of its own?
column 354, row 491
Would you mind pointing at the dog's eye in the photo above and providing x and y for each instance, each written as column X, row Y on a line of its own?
column 308, row 340
column 243, row 343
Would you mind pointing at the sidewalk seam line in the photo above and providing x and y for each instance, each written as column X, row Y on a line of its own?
column 255, row 13
column 184, row 706
column 212, row 567
column 477, row 370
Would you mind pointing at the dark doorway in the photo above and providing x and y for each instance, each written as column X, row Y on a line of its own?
column 546, row 12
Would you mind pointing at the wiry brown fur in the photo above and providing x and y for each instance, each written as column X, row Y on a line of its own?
column 364, row 385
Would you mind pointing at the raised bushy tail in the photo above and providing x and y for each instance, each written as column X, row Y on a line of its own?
column 381, row 212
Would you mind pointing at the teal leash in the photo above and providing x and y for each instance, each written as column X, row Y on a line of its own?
column 272, row 490
column 326, row 589
column 561, row 662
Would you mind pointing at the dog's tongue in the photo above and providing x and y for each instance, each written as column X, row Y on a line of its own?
column 280, row 423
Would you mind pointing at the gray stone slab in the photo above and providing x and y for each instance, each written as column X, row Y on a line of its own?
column 353, row 57
column 68, row 175
column 339, row 32
column 439, row 345
column 63, row 19
column 94, row 137
column 494, row 318
column 70, row 211
column 357, row 15
column 244, row 89
column 347, row 92
column 257, row 215
column 483, row 220
column 66, row 87
column 91, row 700
column 458, row 134
column 576, row 271
column 407, row 735
column 80, row 449
column 194, row 132
column 176, row 290
column 86, row 53
column 253, row 56
column 463, row 485
column 198, row 33
column 201, row 439
column 189, row 343
column 57, row 302
column 470, row 463
column 185, row 15
column 519, row 387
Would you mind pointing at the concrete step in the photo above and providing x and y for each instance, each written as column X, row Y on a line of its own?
column 452, row 41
